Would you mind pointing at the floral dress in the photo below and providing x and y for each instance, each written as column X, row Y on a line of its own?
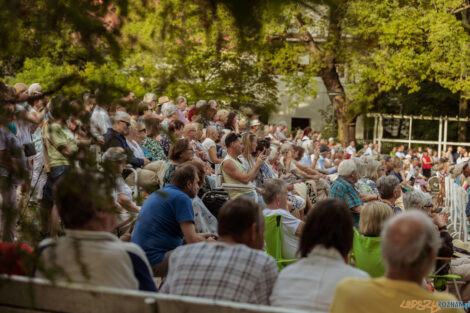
column 155, row 149
column 367, row 186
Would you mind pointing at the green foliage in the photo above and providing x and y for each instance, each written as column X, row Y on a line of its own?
column 407, row 43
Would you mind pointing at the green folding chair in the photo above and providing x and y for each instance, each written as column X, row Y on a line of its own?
column 273, row 239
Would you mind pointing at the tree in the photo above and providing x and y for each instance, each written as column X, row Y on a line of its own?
column 408, row 43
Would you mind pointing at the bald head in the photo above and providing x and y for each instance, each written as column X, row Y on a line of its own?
column 410, row 243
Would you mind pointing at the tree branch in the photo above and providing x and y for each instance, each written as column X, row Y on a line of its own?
column 313, row 47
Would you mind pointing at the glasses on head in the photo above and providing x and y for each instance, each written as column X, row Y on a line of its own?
column 125, row 122
column 143, row 130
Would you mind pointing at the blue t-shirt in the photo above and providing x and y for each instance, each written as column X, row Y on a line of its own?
column 157, row 230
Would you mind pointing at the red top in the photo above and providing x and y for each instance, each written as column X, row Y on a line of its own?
column 428, row 160
column 11, row 256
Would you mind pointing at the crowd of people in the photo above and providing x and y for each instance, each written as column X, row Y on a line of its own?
column 362, row 228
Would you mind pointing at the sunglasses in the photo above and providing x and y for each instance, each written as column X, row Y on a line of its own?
column 127, row 123
column 143, row 130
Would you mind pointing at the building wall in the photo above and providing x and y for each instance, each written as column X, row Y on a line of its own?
column 309, row 107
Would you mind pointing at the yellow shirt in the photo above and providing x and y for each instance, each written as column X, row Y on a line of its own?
column 383, row 295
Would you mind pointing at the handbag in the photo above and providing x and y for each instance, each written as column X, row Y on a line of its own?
column 214, row 200
column 29, row 149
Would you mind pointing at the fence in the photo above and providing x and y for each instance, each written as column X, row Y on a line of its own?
column 456, row 202
column 441, row 143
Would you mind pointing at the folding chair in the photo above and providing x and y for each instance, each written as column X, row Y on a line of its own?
column 440, row 281
column 273, row 239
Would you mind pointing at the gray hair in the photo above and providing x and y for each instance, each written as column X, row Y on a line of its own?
column 149, row 97
column 386, row 185
column 347, row 168
column 201, row 103
column 407, row 239
column 360, row 166
column 181, row 99
column 120, row 115
column 372, row 169
column 273, row 188
column 169, row 110
column 285, row 147
column 415, row 200
column 114, row 154
column 211, row 130
column 211, row 102
column 273, row 154
column 282, row 123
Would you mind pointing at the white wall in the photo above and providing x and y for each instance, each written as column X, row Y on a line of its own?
column 309, row 107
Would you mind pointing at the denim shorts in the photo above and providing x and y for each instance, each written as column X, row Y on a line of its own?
column 52, row 177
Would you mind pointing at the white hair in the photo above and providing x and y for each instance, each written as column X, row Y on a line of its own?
column 119, row 115
column 169, row 110
column 360, row 166
column 415, row 200
column 211, row 130
column 149, row 97
column 346, row 168
column 35, row 90
column 286, row 147
column 409, row 249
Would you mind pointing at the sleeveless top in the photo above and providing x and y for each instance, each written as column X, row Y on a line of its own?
column 234, row 193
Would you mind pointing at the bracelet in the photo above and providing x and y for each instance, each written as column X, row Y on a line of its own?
column 443, row 228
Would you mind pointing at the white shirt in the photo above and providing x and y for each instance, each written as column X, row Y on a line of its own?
column 136, row 149
column 310, row 283
column 206, row 145
column 290, row 242
column 462, row 160
column 108, row 261
column 351, row 150
column 99, row 122
column 399, row 154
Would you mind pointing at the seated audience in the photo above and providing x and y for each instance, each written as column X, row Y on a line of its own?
column 366, row 252
column 409, row 249
column 175, row 131
column 275, row 196
column 234, row 172
column 151, row 142
column 325, row 242
column 418, row 200
column 390, row 191
column 180, row 152
column 167, row 217
column 88, row 214
column 204, row 221
column 233, row 268
column 367, row 184
column 115, row 137
column 344, row 188
column 210, row 148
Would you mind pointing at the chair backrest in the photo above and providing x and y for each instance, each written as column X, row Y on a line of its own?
column 219, row 178
column 367, row 254
column 273, row 236
column 33, row 295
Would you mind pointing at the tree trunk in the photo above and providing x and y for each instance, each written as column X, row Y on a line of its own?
column 340, row 101
column 463, row 112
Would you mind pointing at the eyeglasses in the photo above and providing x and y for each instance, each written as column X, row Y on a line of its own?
column 127, row 123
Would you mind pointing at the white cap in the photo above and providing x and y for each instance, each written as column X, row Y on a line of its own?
column 255, row 123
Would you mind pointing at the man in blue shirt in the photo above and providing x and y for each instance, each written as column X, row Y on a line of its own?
column 167, row 217
column 321, row 161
